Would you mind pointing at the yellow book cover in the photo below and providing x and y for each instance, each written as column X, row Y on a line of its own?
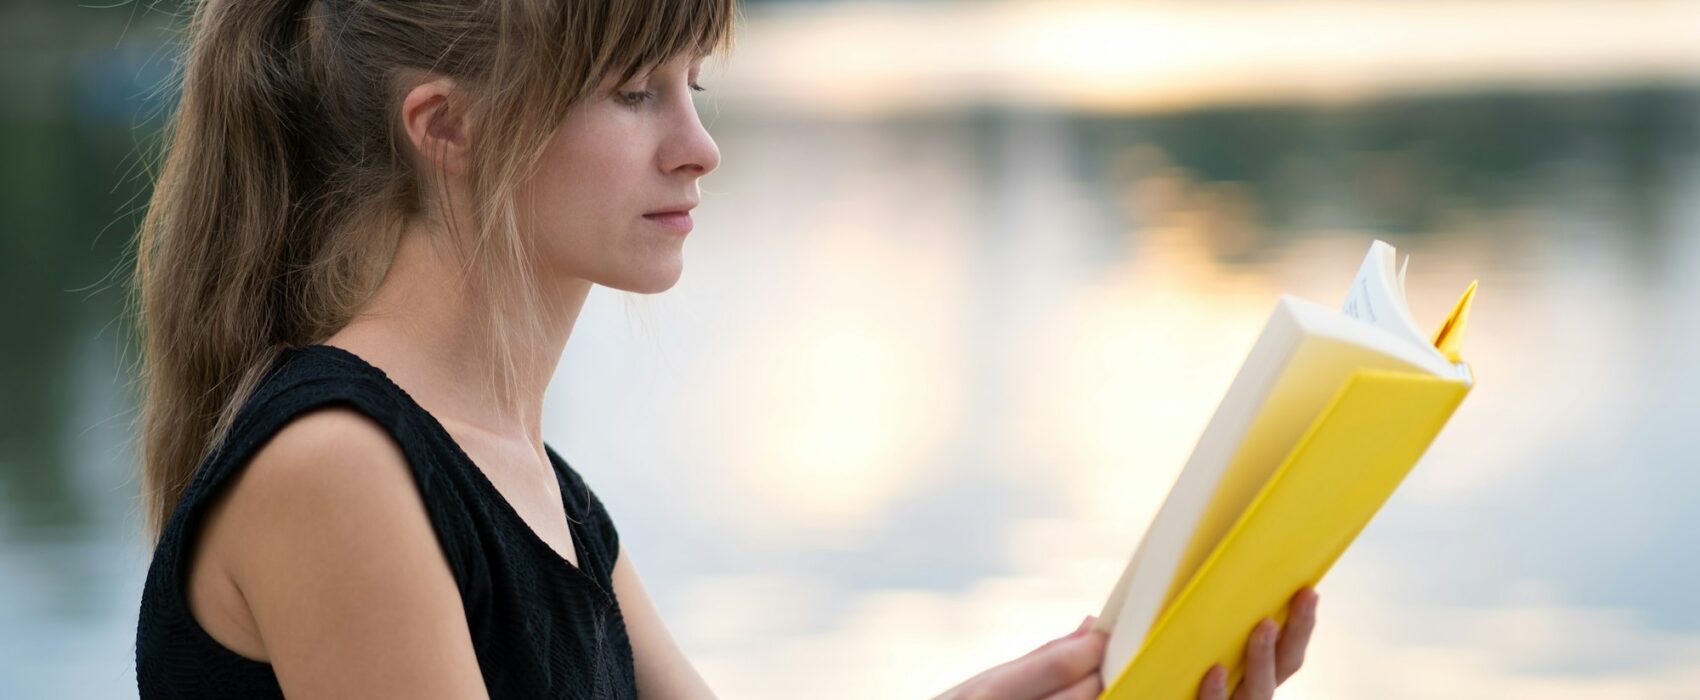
column 1327, row 415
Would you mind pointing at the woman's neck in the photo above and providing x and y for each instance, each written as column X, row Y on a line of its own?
column 425, row 330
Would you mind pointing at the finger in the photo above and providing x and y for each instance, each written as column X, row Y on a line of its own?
column 1295, row 636
column 1259, row 681
column 1041, row 648
column 1084, row 689
column 1084, row 627
column 1215, row 684
column 1048, row 669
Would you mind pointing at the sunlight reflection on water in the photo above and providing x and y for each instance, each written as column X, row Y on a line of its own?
column 888, row 432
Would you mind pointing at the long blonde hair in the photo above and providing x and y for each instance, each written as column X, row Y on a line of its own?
column 286, row 182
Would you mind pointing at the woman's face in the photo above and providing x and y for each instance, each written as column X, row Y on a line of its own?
column 610, row 201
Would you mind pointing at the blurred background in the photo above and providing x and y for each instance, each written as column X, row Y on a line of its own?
column 964, row 291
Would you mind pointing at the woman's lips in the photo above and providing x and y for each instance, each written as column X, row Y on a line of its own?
column 678, row 221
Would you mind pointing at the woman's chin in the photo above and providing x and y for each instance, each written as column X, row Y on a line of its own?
column 652, row 279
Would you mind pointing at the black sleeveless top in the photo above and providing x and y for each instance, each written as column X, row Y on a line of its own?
column 541, row 627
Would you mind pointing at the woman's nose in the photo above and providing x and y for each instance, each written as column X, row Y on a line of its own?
column 690, row 148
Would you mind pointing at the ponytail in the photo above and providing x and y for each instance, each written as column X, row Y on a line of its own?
column 229, row 269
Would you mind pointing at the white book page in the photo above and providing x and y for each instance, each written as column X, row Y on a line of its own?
column 1377, row 297
column 1402, row 265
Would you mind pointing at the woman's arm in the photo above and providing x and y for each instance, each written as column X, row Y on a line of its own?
column 662, row 669
column 1063, row 669
column 326, row 538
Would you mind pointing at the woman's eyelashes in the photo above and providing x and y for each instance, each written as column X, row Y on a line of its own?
column 636, row 98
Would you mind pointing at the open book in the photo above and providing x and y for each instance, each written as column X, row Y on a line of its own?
column 1329, row 412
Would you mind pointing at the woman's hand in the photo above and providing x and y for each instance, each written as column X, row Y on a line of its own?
column 1268, row 662
column 1067, row 668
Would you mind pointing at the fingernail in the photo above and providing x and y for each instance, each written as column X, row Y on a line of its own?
column 1085, row 623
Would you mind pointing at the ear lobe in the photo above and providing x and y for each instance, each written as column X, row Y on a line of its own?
column 436, row 125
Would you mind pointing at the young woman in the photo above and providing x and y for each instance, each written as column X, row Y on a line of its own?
column 375, row 226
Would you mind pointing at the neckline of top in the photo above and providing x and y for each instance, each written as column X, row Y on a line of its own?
column 575, row 521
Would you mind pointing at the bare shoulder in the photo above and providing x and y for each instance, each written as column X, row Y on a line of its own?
column 316, row 488
column 330, row 457
column 328, row 549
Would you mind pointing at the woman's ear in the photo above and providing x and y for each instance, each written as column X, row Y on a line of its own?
column 433, row 116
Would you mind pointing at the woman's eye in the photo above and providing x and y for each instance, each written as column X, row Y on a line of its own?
column 633, row 99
